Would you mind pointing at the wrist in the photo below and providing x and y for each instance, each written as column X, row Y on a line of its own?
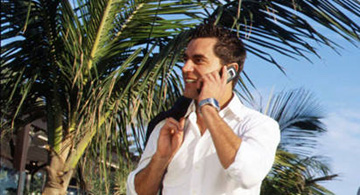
column 161, row 160
column 209, row 102
column 208, row 109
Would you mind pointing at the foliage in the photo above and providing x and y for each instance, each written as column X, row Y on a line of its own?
column 92, row 68
column 299, row 116
column 9, row 180
column 284, row 27
column 295, row 170
column 36, row 183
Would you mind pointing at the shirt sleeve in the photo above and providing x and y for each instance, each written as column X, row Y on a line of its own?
column 256, row 154
column 145, row 158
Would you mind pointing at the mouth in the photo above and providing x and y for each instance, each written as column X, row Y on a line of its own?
column 188, row 80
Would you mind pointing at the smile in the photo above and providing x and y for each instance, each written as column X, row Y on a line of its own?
column 190, row 80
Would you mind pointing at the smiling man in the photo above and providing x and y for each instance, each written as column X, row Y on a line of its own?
column 219, row 146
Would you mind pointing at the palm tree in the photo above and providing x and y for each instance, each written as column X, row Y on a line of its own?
column 295, row 170
column 90, row 68
column 95, row 69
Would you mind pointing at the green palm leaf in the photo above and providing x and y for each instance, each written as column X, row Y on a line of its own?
column 295, row 171
column 299, row 116
column 292, row 174
column 283, row 27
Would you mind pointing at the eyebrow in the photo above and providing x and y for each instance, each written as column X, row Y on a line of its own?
column 199, row 56
column 195, row 56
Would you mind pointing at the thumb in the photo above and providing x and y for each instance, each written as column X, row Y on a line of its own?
column 182, row 123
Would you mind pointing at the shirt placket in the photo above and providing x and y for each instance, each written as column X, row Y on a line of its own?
column 198, row 165
column 194, row 180
column 196, row 169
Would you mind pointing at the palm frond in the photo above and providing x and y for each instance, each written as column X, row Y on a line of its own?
column 295, row 170
column 299, row 116
column 293, row 174
column 284, row 27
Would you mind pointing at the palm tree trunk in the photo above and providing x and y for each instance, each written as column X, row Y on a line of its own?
column 63, row 162
column 58, row 178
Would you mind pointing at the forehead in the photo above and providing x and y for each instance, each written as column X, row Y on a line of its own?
column 201, row 46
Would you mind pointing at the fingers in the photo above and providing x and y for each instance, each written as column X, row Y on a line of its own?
column 212, row 78
column 224, row 74
column 215, row 75
column 174, row 130
column 172, row 126
column 182, row 122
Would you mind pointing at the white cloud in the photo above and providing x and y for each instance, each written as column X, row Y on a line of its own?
column 342, row 144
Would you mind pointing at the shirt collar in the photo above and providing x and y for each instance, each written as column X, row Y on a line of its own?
column 233, row 109
column 192, row 108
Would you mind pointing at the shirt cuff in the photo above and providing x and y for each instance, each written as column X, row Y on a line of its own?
column 130, row 188
column 248, row 167
column 145, row 158
column 255, row 156
column 235, row 168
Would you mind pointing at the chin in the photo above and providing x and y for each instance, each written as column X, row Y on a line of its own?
column 190, row 94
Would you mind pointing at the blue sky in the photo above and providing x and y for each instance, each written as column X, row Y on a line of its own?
column 335, row 82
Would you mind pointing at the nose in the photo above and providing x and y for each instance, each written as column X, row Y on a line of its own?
column 188, row 66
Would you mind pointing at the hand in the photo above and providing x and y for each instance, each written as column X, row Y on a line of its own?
column 170, row 138
column 213, row 85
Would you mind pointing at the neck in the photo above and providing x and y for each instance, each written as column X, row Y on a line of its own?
column 227, row 101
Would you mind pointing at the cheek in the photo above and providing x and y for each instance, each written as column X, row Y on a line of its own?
column 202, row 70
column 211, row 68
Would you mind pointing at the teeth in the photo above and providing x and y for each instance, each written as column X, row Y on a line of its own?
column 190, row 80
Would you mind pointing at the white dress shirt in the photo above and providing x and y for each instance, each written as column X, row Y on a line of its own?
column 196, row 168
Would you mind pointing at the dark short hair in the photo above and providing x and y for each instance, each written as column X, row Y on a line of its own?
column 229, row 47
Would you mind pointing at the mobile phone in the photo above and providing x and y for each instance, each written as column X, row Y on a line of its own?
column 231, row 73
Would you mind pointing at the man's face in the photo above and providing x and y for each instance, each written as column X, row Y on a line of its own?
column 199, row 59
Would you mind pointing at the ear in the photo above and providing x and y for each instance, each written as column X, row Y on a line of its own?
column 235, row 65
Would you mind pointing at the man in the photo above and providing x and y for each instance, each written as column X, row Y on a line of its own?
column 219, row 146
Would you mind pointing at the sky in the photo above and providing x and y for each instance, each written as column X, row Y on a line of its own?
column 334, row 80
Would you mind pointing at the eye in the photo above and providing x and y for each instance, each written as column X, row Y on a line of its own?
column 198, row 60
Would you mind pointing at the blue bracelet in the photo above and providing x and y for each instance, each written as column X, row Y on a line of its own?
column 211, row 101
